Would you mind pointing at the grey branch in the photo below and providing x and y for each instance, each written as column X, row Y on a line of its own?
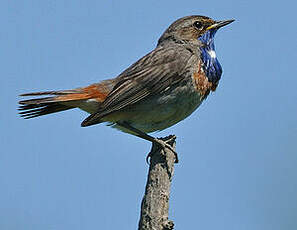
column 155, row 203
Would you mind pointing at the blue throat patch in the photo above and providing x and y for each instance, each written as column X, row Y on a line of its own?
column 212, row 67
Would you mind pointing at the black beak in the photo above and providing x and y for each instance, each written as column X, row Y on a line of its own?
column 220, row 24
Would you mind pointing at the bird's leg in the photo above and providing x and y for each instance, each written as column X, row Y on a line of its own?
column 147, row 137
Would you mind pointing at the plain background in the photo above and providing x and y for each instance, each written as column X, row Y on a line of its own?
column 238, row 151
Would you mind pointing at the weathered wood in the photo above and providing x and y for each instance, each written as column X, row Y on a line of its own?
column 155, row 203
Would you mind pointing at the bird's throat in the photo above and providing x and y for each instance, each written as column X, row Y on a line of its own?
column 211, row 65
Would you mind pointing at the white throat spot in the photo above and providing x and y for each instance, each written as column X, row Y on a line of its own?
column 212, row 53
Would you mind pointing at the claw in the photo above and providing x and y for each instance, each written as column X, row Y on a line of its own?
column 163, row 144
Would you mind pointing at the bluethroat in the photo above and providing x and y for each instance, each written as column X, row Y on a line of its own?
column 159, row 90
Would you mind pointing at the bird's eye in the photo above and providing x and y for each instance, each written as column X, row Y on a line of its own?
column 198, row 24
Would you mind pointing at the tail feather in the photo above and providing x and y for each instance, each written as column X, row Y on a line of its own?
column 38, row 101
column 27, row 107
column 62, row 92
column 63, row 100
column 40, row 110
column 46, row 105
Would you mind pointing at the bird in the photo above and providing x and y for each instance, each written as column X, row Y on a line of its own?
column 159, row 90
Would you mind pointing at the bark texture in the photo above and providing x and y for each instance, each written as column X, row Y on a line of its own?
column 155, row 203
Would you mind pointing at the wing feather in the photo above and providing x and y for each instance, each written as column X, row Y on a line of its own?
column 161, row 68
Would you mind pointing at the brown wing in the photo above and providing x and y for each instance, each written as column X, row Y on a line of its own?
column 150, row 75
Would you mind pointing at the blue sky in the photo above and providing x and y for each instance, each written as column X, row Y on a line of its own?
column 238, row 151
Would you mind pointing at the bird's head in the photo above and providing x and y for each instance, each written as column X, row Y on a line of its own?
column 191, row 28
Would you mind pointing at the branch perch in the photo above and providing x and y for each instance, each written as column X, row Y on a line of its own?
column 155, row 203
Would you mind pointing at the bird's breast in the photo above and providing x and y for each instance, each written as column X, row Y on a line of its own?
column 201, row 82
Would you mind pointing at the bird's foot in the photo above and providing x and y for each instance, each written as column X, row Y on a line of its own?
column 163, row 143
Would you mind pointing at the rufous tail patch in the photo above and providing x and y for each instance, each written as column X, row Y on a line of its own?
column 96, row 91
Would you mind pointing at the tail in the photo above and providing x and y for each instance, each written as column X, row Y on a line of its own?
column 44, row 105
column 58, row 101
